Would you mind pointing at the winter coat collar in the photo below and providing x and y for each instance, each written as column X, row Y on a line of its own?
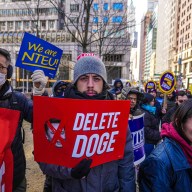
column 72, row 92
column 5, row 91
column 169, row 131
column 176, row 155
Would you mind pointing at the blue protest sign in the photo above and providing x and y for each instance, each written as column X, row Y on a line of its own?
column 35, row 53
column 136, row 125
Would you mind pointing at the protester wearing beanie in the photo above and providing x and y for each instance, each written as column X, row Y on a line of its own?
column 59, row 88
column 90, row 64
column 118, row 86
column 118, row 175
column 151, row 124
column 159, row 111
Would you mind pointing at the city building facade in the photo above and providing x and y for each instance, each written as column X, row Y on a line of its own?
column 174, row 40
column 183, row 58
column 46, row 20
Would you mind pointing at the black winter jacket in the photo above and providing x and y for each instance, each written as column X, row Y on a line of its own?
column 151, row 128
column 17, row 101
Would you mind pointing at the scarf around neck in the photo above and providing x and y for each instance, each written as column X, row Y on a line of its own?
column 71, row 92
column 149, row 108
column 169, row 131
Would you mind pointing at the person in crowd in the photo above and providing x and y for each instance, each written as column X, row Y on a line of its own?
column 116, row 91
column 128, row 84
column 188, row 94
column 170, row 100
column 181, row 96
column 16, row 101
column 135, row 98
column 159, row 111
column 160, row 98
column 59, row 88
column 169, row 167
column 151, row 123
column 90, row 82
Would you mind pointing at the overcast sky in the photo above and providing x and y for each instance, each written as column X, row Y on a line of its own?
column 141, row 7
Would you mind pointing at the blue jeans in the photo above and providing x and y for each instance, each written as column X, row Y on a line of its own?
column 148, row 148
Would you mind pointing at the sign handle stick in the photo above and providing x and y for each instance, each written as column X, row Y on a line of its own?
column 165, row 101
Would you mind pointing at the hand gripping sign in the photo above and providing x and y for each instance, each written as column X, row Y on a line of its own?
column 149, row 86
column 69, row 130
column 8, row 125
column 167, row 82
column 36, row 53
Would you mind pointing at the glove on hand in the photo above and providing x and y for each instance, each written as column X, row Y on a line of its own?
column 124, row 93
column 38, row 76
column 82, row 169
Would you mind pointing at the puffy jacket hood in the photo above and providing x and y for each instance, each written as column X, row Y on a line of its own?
column 118, row 81
column 56, row 85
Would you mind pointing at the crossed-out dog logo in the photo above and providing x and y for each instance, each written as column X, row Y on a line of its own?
column 52, row 129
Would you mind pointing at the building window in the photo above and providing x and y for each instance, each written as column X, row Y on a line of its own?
column 74, row 7
column 66, row 57
column 26, row 24
column 51, row 24
column 113, row 57
column 106, row 6
column 18, row 25
column 10, row 25
column 95, row 19
column 43, row 25
column 118, row 6
column 105, row 19
column 2, row 26
column 19, row 0
column 95, row 6
column 190, row 68
column 74, row 19
column 117, row 19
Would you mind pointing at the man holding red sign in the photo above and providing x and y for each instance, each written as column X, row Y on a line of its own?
column 90, row 82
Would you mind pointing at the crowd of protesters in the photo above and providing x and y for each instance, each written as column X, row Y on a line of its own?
column 167, row 132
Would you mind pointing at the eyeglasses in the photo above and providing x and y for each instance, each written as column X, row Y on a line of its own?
column 2, row 68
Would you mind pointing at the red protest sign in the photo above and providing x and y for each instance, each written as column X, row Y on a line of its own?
column 8, row 125
column 69, row 130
